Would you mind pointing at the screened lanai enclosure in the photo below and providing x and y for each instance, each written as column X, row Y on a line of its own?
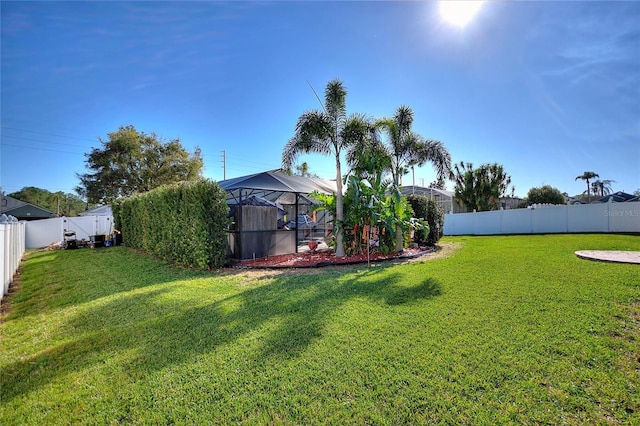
column 272, row 213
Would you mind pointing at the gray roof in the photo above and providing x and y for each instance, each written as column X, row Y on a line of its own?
column 273, row 185
column 617, row 197
column 23, row 210
column 421, row 190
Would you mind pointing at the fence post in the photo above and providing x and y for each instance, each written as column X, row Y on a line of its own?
column 3, row 264
column 5, row 260
column 23, row 237
column 12, row 247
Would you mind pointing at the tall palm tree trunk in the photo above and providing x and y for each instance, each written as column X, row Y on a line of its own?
column 399, row 239
column 339, row 210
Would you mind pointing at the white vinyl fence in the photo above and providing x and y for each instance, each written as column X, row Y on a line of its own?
column 601, row 217
column 12, row 246
column 41, row 233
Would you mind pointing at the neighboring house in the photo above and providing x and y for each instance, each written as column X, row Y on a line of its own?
column 23, row 211
column 618, row 197
column 442, row 197
column 446, row 201
column 97, row 211
column 508, row 203
column 572, row 200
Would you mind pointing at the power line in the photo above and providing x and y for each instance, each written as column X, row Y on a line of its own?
column 48, row 134
column 40, row 149
column 41, row 141
column 244, row 160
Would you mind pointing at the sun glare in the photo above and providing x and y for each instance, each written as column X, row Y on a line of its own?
column 459, row 12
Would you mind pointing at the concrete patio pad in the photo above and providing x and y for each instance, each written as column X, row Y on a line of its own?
column 610, row 256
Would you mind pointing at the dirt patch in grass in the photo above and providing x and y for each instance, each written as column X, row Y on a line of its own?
column 300, row 263
column 14, row 287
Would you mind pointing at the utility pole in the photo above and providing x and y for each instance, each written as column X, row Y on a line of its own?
column 413, row 184
column 224, row 164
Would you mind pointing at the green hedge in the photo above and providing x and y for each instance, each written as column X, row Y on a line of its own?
column 429, row 210
column 183, row 223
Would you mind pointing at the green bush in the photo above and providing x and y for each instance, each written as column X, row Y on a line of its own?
column 183, row 223
column 544, row 195
column 430, row 211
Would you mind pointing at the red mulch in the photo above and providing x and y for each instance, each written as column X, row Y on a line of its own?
column 325, row 258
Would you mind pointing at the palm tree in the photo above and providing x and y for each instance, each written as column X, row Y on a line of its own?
column 586, row 176
column 328, row 132
column 369, row 158
column 303, row 169
column 602, row 187
column 481, row 189
column 405, row 149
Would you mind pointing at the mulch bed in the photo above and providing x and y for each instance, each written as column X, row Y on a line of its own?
column 310, row 259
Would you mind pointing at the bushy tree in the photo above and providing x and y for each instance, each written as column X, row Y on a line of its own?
column 64, row 204
column 438, row 184
column 545, row 195
column 302, row 169
column 481, row 189
column 432, row 213
column 131, row 162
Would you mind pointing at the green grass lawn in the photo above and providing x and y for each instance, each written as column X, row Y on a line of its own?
column 509, row 329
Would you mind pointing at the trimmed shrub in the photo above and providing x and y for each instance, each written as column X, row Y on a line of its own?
column 184, row 223
column 429, row 210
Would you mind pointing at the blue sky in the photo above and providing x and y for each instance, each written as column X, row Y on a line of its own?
column 547, row 89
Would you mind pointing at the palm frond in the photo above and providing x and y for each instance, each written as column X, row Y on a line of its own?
column 313, row 134
column 404, row 118
column 356, row 128
column 315, row 130
column 335, row 96
column 434, row 152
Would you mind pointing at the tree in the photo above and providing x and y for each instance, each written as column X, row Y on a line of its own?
column 432, row 213
column 405, row 149
column 63, row 204
column 545, row 195
column 602, row 187
column 302, row 169
column 328, row 132
column 480, row 189
column 131, row 161
column 438, row 184
column 586, row 176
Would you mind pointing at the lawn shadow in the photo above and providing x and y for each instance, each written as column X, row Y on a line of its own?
column 280, row 319
column 60, row 278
